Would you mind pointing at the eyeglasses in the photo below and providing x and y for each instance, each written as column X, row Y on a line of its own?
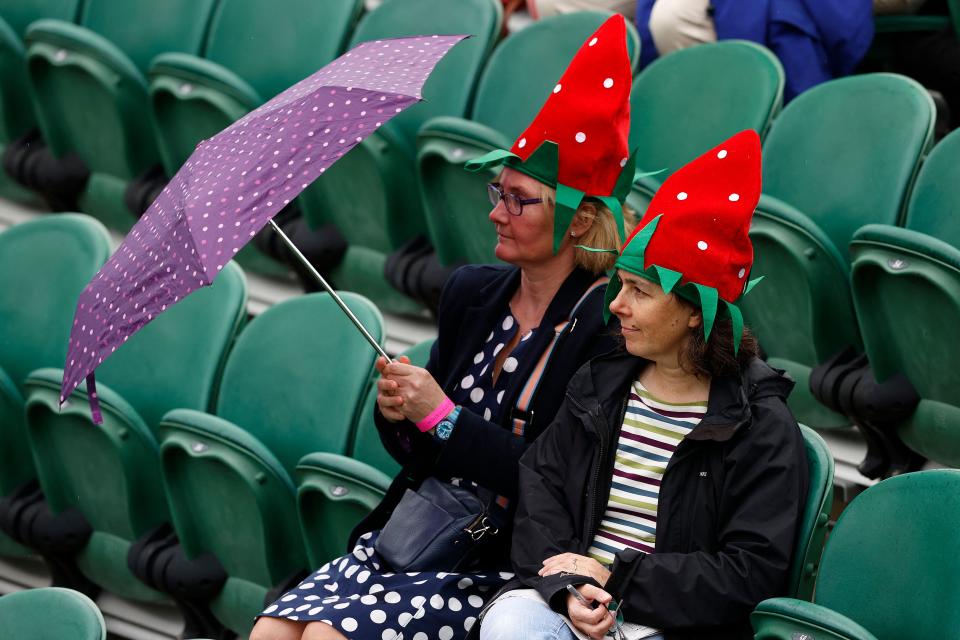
column 616, row 631
column 511, row 201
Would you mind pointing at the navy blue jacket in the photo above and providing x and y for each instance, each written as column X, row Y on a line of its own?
column 486, row 452
column 816, row 40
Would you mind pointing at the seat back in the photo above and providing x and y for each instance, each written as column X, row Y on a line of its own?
column 695, row 98
column 526, row 66
column 51, row 613
column 905, row 278
column 292, row 386
column 16, row 112
column 138, row 29
column 892, row 560
column 906, row 286
column 933, row 208
column 298, row 373
column 89, row 90
column 175, row 362
column 335, row 492
column 449, row 89
column 244, row 38
column 44, row 264
column 371, row 194
column 190, row 105
column 856, row 169
column 845, row 153
column 20, row 13
column 812, row 532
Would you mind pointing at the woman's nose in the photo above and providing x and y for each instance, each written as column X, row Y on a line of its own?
column 499, row 214
column 617, row 304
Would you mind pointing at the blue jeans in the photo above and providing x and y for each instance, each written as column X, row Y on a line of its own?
column 524, row 619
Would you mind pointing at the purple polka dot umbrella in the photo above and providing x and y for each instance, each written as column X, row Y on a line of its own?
column 233, row 185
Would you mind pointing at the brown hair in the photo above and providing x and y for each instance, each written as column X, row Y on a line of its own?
column 714, row 357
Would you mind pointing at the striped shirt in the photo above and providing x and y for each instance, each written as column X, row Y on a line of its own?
column 652, row 430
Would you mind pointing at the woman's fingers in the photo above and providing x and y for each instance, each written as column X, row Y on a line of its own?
column 591, row 592
column 387, row 387
column 593, row 622
column 584, row 616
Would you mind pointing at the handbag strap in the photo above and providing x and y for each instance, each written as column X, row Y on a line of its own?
column 530, row 387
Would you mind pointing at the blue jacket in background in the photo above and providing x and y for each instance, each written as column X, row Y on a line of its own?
column 815, row 40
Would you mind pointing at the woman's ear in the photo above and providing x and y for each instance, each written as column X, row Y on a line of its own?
column 583, row 220
column 695, row 319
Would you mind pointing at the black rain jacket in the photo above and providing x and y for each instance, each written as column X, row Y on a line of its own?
column 730, row 501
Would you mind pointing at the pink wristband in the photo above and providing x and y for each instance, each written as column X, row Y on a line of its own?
column 436, row 415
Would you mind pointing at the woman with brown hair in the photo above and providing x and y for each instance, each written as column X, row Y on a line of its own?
column 670, row 485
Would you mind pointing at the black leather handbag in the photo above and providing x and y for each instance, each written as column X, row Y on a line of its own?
column 439, row 527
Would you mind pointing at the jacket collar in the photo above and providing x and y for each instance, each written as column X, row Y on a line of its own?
column 728, row 406
column 493, row 298
column 495, row 295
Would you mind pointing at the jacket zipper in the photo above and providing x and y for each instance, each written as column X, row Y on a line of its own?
column 594, row 508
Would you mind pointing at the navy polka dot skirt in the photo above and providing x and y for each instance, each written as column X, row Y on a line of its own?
column 358, row 599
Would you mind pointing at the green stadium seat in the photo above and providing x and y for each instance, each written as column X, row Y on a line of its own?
column 906, row 288
column 44, row 264
column 371, row 193
column 90, row 90
column 111, row 472
column 335, row 492
column 515, row 84
column 193, row 98
column 832, row 162
column 293, row 385
column 816, row 514
column 694, row 99
column 889, row 569
column 16, row 111
column 51, row 613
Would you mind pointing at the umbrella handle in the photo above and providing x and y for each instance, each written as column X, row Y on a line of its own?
column 316, row 274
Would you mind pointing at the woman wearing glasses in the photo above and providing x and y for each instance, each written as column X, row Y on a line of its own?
column 664, row 499
column 510, row 337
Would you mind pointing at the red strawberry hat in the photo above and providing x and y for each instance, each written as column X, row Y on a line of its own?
column 578, row 142
column 695, row 231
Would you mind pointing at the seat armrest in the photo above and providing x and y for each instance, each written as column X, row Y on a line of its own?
column 790, row 619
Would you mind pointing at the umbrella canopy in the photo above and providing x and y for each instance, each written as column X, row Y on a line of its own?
column 234, row 183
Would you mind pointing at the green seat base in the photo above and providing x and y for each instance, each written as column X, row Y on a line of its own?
column 104, row 561
column 807, row 409
column 237, row 605
column 9, row 548
column 932, row 432
column 103, row 199
column 334, row 494
column 362, row 272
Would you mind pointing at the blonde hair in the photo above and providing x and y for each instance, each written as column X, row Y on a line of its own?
column 602, row 234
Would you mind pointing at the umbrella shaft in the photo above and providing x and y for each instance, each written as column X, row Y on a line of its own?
column 329, row 289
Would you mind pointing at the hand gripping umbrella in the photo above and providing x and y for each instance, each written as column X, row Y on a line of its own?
column 233, row 185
